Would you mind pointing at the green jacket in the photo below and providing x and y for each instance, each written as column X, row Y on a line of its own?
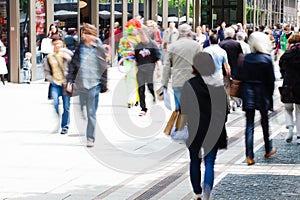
column 284, row 41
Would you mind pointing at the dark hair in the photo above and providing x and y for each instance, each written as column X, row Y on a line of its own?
column 50, row 27
column 213, row 38
column 56, row 37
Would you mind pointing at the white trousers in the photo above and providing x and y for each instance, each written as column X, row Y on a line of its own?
column 289, row 116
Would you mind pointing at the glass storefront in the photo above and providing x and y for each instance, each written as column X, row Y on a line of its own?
column 214, row 12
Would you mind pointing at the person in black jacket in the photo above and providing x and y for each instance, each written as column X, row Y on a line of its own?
column 257, row 90
column 146, row 55
column 205, row 108
column 290, row 63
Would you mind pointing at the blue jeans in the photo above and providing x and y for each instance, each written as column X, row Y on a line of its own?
column 177, row 95
column 56, row 92
column 90, row 98
column 195, row 170
column 250, row 113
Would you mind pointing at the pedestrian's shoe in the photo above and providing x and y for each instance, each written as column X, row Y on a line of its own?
column 298, row 139
column 250, row 161
column 129, row 105
column 136, row 103
column 289, row 137
column 142, row 113
column 271, row 153
column 89, row 144
column 64, row 131
column 196, row 197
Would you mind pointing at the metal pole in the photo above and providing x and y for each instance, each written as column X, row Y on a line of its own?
column 112, row 32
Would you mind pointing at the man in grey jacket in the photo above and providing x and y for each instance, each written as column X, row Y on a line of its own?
column 179, row 61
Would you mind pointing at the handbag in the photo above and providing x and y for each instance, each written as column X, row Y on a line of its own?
column 286, row 94
column 69, row 88
column 180, row 132
column 180, row 135
column 235, row 88
column 160, row 94
column 171, row 122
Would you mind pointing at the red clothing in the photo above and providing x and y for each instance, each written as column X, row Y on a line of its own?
column 118, row 35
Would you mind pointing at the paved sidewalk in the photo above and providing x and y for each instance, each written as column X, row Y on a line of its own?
column 127, row 163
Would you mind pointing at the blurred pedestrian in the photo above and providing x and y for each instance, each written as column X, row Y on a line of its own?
column 284, row 44
column 56, row 70
column 240, row 37
column 146, row 55
column 290, row 63
column 126, row 51
column 203, row 103
column 170, row 35
column 3, row 67
column 179, row 61
column 257, row 90
column 221, row 31
column 46, row 46
column 85, row 70
column 219, row 56
column 234, row 52
column 26, row 68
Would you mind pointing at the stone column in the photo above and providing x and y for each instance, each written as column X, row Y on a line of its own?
column 32, row 33
column 112, row 35
column 49, row 13
column 165, row 14
column 14, row 58
column 188, row 11
column 124, row 16
column 154, row 10
column 135, row 8
column 94, row 13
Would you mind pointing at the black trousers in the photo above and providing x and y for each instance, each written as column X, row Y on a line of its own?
column 144, row 77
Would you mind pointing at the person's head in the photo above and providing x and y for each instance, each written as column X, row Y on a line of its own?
column 53, row 29
column 203, row 64
column 198, row 30
column 171, row 25
column 116, row 24
column 89, row 33
column 240, row 36
column 150, row 23
column 213, row 39
column 132, row 26
column 287, row 29
column 229, row 32
column 28, row 55
column 57, row 43
column 293, row 39
column 184, row 30
column 143, row 34
column 223, row 25
column 260, row 43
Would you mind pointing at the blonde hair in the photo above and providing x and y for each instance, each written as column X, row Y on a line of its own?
column 295, row 38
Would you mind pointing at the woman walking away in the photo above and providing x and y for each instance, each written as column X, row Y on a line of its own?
column 257, row 91
column 290, row 63
column 203, row 102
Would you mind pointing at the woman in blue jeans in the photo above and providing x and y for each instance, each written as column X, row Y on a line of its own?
column 205, row 108
column 257, row 91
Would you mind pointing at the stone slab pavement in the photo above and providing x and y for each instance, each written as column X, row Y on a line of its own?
column 126, row 163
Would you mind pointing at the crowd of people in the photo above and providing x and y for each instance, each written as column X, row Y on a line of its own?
column 199, row 67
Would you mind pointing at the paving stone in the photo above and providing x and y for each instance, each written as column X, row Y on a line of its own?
column 257, row 187
column 287, row 153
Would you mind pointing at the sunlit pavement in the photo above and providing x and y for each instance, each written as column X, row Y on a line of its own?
column 132, row 158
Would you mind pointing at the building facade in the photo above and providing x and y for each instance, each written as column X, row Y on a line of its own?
column 23, row 23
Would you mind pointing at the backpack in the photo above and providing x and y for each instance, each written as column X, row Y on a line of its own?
column 26, row 64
